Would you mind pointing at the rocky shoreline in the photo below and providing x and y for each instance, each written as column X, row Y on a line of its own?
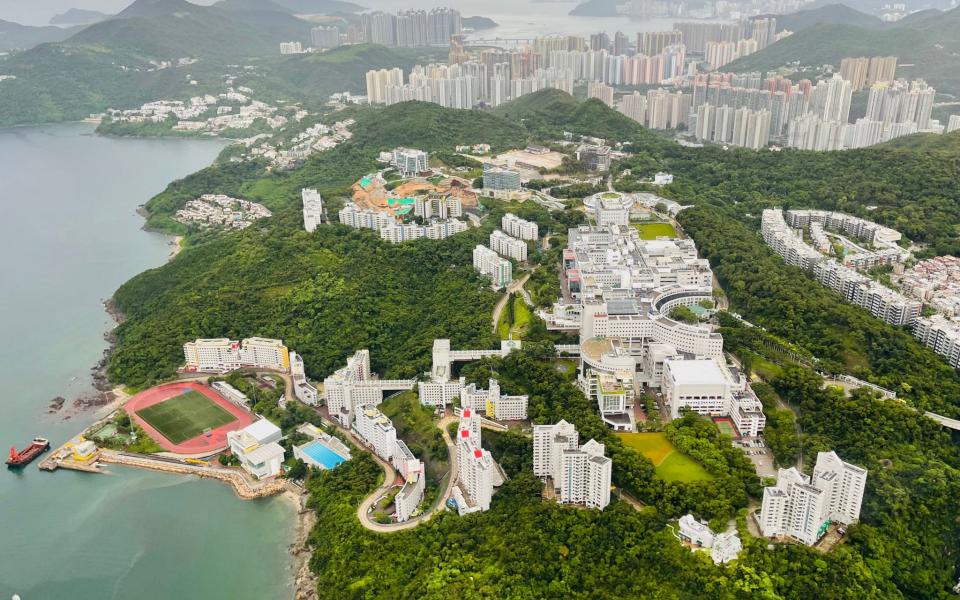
column 305, row 582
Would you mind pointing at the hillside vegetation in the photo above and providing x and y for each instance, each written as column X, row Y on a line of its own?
column 931, row 44
column 828, row 14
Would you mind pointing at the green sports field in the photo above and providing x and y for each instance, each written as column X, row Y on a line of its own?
column 669, row 463
column 651, row 231
column 185, row 417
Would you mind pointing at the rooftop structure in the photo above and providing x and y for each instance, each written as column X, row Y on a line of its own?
column 256, row 447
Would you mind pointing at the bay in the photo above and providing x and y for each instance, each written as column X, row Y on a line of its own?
column 69, row 236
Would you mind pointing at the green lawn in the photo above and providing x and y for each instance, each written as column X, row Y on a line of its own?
column 521, row 320
column 185, row 416
column 670, row 464
column 651, row 231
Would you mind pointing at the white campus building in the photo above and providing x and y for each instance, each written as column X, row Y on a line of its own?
column 724, row 547
column 410, row 162
column 376, row 430
column 507, row 246
column 579, row 474
column 700, row 385
column 220, row 355
column 487, row 262
column 801, row 508
column 256, row 447
column 302, row 388
column 519, row 228
column 477, row 474
column 312, row 209
column 492, row 403
column 619, row 291
column 354, row 386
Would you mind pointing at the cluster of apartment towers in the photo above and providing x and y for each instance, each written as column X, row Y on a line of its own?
column 780, row 231
column 509, row 242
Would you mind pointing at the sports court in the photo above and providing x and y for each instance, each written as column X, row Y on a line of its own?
column 186, row 418
column 726, row 427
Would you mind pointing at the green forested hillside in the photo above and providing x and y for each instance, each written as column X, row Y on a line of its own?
column 929, row 45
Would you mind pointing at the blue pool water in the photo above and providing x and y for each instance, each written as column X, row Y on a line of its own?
column 323, row 455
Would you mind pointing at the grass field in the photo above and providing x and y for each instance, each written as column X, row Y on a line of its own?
column 670, row 464
column 186, row 416
column 651, row 231
column 521, row 320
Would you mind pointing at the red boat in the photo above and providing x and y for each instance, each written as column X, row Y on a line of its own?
column 22, row 458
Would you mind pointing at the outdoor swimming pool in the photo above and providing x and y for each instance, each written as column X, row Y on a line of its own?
column 324, row 457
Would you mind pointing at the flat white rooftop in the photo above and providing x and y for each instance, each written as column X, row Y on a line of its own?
column 696, row 372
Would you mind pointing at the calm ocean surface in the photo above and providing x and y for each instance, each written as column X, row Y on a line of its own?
column 69, row 236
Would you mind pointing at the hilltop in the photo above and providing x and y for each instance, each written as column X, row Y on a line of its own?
column 551, row 112
column 78, row 16
column 929, row 43
column 171, row 29
column 833, row 14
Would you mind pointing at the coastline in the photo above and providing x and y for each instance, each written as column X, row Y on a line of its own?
column 304, row 581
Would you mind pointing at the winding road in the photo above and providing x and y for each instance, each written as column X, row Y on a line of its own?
column 389, row 478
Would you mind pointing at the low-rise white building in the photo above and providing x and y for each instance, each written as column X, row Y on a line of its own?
column 700, row 385
column 256, row 447
column 219, row 355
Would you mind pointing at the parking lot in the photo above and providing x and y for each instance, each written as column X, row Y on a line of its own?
column 759, row 454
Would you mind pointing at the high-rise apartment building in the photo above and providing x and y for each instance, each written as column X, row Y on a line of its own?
column 802, row 508
column 379, row 80
column 519, row 228
column 312, row 208
column 489, row 263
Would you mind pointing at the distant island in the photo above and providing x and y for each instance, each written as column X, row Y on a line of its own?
column 79, row 16
column 479, row 23
column 596, row 8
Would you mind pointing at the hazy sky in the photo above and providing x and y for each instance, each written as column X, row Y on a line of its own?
column 38, row 12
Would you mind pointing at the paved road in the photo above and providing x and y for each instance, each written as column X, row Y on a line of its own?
column 363, row 513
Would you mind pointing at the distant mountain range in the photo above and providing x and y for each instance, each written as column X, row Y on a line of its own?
column 14, row 36
column 79, row 16
column 927, row 44
column 170, row 29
